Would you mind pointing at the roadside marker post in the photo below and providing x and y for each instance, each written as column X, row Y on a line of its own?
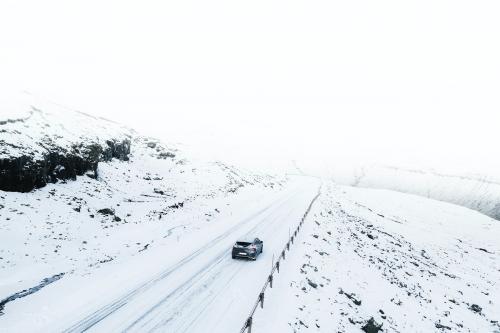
column 276, row 267
column 249, row 324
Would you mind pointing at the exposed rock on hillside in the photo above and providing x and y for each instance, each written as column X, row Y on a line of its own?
column 24, row 173
column 36, row 147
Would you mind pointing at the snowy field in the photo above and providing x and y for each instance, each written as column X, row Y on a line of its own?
column 367, row 259
column 376, row 259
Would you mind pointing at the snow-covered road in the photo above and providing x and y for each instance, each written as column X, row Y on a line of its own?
column 191, row 285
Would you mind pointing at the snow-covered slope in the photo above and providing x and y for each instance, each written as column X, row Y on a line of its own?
column 31, row 126
column 112, row 231
column 133, row 202
column 478, row 191
column 378, row 260
column 43, row 142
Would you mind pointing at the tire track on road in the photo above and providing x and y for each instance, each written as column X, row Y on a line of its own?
column 99, row 315
column 206, row 271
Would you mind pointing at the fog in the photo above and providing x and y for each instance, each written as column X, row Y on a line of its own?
column 266, row 82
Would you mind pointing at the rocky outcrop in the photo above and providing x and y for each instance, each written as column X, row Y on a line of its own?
column 119, row 150
column 24, row 173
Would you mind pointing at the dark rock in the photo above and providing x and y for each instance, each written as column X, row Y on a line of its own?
column 372, row 326
column 158, row 191
column 352, row 297
column 108, row 259
column 312, row 284
column 165, row 155
column 440, row 326
column 476, row 308
column 106, row 211
column 24, row 173
column 27, row 292
column 91, row 174
column 116, row 149
column 117, row 219
column 177, row 205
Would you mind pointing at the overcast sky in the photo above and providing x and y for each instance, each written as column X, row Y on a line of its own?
column 395, row 81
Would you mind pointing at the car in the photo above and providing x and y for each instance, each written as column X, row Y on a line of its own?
column 248, row 250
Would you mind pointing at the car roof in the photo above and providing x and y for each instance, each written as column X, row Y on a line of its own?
column 247, row 240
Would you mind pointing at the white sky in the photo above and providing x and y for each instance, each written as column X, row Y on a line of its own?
column 412, row 82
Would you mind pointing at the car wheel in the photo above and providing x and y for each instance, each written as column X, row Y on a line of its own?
column 233, row 256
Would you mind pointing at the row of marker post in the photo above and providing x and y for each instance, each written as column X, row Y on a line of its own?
column 275, row 268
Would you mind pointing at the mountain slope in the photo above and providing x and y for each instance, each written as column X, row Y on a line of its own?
column 137, row 194
column 480, row 192
column 378, row 260
column 44, row 143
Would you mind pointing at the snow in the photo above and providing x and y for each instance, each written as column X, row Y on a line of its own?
column 479, row 190
column 411, row 263
column 146, row 245
column 109, row 236
column 30, row 125
column 171, row 285
column 408, row 262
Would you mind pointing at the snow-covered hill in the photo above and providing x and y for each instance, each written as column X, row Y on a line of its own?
column 105, row 230
column 377, row 260
column 478, row 191
column 128, row 195
column 41, row 142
